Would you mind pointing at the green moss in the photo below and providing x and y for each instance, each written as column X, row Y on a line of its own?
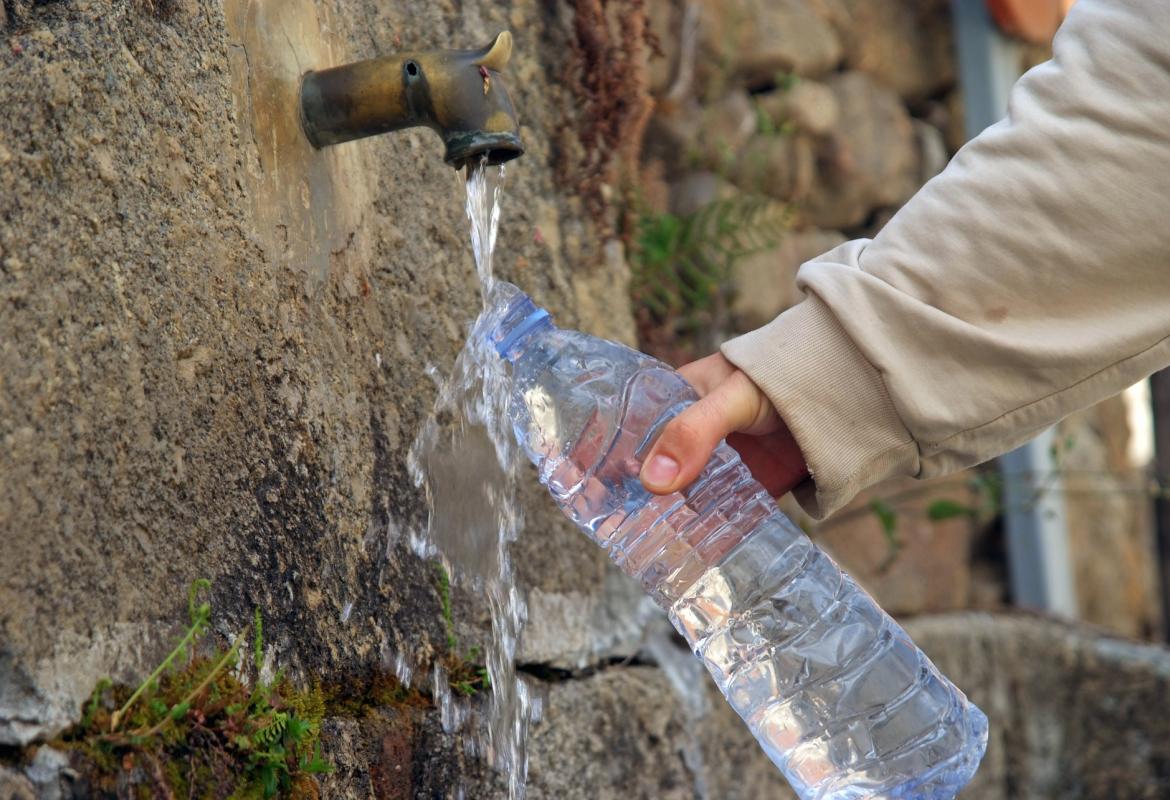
column 204, row 724
column 198, row 730
column 358, row 697
column 445, row 605
column 466, row 675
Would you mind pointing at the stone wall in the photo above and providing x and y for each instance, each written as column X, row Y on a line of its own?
column 214, row 344
column 1074, row 714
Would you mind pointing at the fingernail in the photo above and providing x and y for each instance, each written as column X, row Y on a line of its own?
column 660, row 471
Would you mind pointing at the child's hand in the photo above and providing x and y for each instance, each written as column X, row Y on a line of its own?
column 731, row 407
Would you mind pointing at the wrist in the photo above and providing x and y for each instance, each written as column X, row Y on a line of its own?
column 831, row 399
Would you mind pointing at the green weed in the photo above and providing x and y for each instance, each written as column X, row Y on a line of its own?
column 198, row 728
column 465, row 675
column 681, row 264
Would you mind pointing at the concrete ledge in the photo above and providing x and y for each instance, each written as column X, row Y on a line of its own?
column 1074, row 713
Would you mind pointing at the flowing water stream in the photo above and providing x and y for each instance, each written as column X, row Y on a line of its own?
column 467, row 464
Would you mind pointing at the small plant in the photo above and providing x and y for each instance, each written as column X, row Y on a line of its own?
column 681, row 265
column 786, row 81
column 200, row 729
column 465, row 674
column 257, row 640
column 767, row 126
column 887, row 517
column 445, row 604
column 984, row 486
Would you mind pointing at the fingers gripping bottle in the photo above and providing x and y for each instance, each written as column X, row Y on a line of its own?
column 833, row 689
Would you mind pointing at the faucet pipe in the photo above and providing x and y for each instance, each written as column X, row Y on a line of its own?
column 458, row 93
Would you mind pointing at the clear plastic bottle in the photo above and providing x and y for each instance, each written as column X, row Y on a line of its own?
column 834, row 690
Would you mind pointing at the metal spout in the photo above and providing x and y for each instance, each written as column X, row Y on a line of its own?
column 458, row 93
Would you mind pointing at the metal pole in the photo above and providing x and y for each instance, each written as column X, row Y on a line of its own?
column 1160, row 397
column 989, row 65
column 1039, row 560
column 1034, row 516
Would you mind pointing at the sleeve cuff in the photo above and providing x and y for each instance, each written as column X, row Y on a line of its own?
column 832, row 400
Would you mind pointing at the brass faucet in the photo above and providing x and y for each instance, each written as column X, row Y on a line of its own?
column 458, row 93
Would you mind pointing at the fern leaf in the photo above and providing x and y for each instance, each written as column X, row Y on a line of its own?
column 681, row 264
column 273, row 731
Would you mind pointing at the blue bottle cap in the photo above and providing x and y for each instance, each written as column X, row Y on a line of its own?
column 509, row 334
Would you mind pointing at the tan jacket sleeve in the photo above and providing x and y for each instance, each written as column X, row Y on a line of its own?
column 1030, row 279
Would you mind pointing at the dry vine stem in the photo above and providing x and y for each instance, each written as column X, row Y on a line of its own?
column 611, row 48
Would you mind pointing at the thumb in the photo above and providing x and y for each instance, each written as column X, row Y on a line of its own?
column 688, row 440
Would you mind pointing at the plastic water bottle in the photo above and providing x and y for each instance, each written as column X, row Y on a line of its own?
column 833, row 689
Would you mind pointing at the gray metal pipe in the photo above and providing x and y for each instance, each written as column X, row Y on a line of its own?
column 1039, row 561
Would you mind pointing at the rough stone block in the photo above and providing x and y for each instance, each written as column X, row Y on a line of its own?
column 1109, row 524
column 922, row 566
column 696, row 190
column 215, row 340
column 1073, row 714
column 755, row 41
column 777, row 165
column 870, row 161
column 906, row 45
column 808, row 106
column 15, row 786
column 665, row 19
column 624, row 733
column 765, row 282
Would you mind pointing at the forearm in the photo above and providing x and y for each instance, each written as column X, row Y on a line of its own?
column 1031, row 278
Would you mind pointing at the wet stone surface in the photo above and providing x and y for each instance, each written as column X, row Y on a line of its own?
column 199, row 381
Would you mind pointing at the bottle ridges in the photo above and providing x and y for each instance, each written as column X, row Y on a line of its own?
column 836, row 693
column 833, row 689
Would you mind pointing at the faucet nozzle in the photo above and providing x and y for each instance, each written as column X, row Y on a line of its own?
column 458, row 93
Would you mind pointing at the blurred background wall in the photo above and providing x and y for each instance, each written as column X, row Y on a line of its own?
column 781, row 129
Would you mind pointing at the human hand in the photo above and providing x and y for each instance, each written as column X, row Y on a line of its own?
column 733, row 408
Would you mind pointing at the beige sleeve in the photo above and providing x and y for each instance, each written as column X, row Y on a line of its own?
column 1030, row 279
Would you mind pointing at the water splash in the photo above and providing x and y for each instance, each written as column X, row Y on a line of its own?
column 402, row 669
column 467, row 464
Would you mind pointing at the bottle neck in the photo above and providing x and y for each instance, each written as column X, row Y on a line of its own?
column 520, row 323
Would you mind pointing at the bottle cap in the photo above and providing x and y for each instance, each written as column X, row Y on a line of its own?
column 510, row 333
